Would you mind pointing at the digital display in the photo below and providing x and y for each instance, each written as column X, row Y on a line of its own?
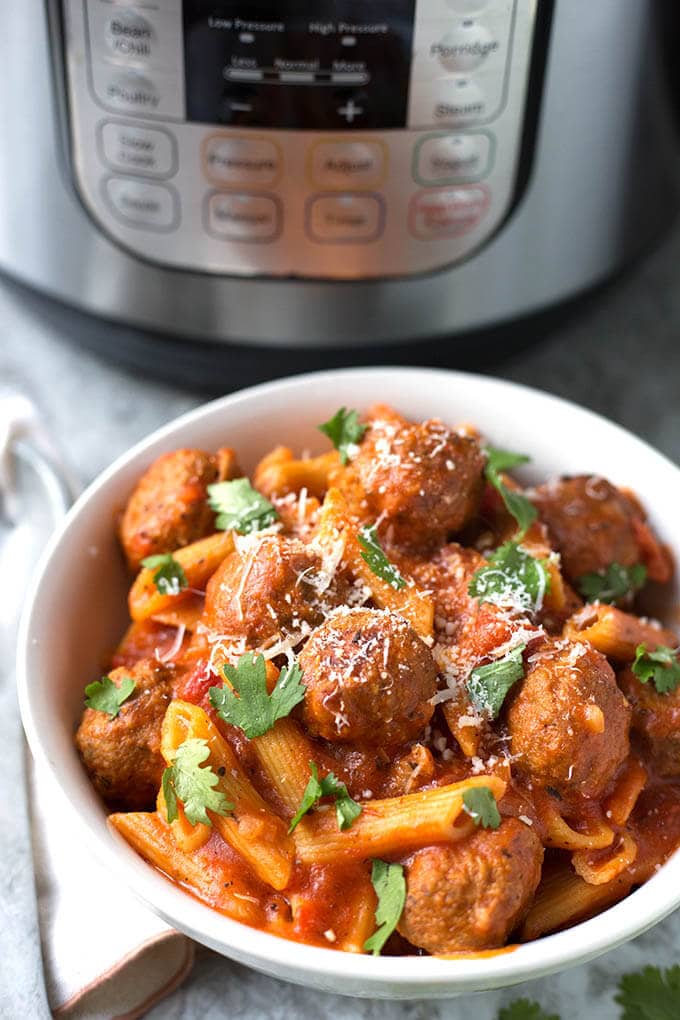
column 303, row 64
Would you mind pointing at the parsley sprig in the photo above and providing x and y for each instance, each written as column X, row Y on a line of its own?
column 650, row 994
column 169, row 577
column 512, row 578
column 105, row 696
column 247, row 704
column 516, row 504
column 662, row 666
column 186, row 781
column 390, row 887
column 240, row 507
column 525, row 1009
column 488, row 685
column 345, row 432
column 346, row 809
column 612, row 584
column 373, row 553
column 480, row 804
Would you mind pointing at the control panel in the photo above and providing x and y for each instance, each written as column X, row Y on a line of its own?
column 317, row 138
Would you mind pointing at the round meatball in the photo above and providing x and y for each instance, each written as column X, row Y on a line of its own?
column 656, row 720
column 369, row 677
column 169, row 507
column 122, row 754
column 273, row 585
column 425, row 480
column 471, row 895
column 569, row 721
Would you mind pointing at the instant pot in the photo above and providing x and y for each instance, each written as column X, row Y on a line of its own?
column 328, row 172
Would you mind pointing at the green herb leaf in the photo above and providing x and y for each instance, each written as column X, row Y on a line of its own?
column 346, row 809
column 345, row 432
column 488, row 685
column 187, row 782
column 390, row 887
column 105, row 696
column 373, row 554
column 650, row 994
column 525, row 1009
column 248, row 705
column 516, row 504
column 240, row 507
column 662, row 666
column 612, row 584
column 480, row 804
column 169, row 578
column 512, row 578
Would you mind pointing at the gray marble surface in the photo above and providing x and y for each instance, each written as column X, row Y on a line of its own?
column 620, row 356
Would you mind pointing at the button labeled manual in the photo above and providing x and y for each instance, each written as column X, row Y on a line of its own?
column 346, row 165
column 243, row 217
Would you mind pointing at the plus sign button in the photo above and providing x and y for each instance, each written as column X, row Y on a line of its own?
column 351, row 111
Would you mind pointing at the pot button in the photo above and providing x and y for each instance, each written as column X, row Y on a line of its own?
column 465, row 47
column 142, row 204
column 447, row 212
column 345, row 219
column 140, row 150
column 243, row 217
column 346, row 165
column 452, row 159
column 237, row 161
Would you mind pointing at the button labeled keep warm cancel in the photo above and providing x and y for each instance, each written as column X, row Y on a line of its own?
column 346, row 165
column 447, row 212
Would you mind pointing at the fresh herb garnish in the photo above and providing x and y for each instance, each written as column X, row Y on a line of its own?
column 516, row 504
column 345, row 432
column 169, row 576
column 650, row 994
column 480, row 804
column 105, row 696
column 240, row 507
column 612, row 584
column 512, row 578
column 390, row 887
column 525, row 1009
column 248, row 705
column 187, row 782
column 373, row 553
column 662, row 666
column 346, row 809
column 488, row 685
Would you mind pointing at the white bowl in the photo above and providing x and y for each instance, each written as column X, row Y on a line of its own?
column 76, row 613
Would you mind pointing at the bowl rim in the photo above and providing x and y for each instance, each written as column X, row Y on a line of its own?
column 273, row 954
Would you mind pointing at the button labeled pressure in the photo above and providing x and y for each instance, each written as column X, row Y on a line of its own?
column 254, row 162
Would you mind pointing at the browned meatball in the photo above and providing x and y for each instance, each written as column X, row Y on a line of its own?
column 168, row 509
column 569, row 721
column 656, row 719
column 274, row 585
column 369, row 679
column 122, row 754
column 471, row 895
column 425, row 479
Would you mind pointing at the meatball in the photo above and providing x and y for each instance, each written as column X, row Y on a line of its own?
column 569, row 721
column 425, row 480
column 471, row 895
column 656, row 720
column 273, row 585
column 169, row 509
column 369, row 679
column 122, row 754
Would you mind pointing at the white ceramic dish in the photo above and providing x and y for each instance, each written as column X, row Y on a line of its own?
column 76, row 612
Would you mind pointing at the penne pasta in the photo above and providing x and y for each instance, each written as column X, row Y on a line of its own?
column 599, row 868
column 199, row 561
column 280, row 473
column 619, row 805
column 561, row 836
column 615, row 633
column 187, row 836
column 285, row 753
column 563, row 898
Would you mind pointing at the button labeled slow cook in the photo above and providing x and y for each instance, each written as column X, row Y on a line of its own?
column 141, row 150
column 447, row 212
column 254, row 162
column 345, row 165
column 452, row 158
column 345, row 219
column 142, row 204
column 243, row 217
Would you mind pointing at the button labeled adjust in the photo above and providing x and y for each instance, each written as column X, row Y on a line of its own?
column 447, row 212
column 241, row 161
column 345, row 219
column 142, row 204
column 243, row 217
column 140, row 150
column 452, row 158
column 346, row 165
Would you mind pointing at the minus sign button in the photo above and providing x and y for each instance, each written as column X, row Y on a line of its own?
column 348, row 40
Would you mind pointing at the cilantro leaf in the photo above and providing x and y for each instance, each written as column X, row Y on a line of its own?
column 488, row 685
column 480, row 804
column 612, row 584
column 240, row 507
column 372, row 553
column 187, row 782
column 169, row 578
column 650, row 994
column 344, row 431
column 512, row 578
column 525, row 1009
column 248, row 705
column 346, row 809
column 105, row 696
column 390, row 887
column 662, row 666
column 516, row 504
